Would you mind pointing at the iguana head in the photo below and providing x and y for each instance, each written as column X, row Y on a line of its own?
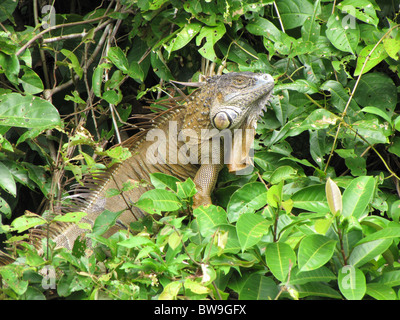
column 230, row 102
column 239, row 99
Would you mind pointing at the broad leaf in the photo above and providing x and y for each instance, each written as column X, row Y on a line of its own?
column 280, row 259
column 209, row 218
column 250, row 229
column 258, row 287
column 159, row 200
column 352, row 283
column 314, row 251
column 28, row 112
column 365, row 252
column 357, row 196
column 249, row 198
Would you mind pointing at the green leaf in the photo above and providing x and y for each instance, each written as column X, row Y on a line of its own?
column 363, row 10
column 367, row 251
column 263, row 27
column 135, row 241
column 162, row 200
column 10, row 65
column 23, row 223
column 352, row 283
column 112, row 96
column 342, row 36
column 392, row 47
column 311, row 28
column 283, row 173
column 31, row 82
column 377, row 112
column 159, row 66
column 280, row 259
column 294, row 12
column 389, row 278
column 249, row 198
column 318, row 119
column 211, row 36
column 118, row 58
column 7, row 8
column 380, row 291
column 314, row 251
column 5, row 208
column 105, row 220
column 322, row 226
column 317, row 289
column 312, row 198
column 161, row 181
column 339, row 95
column 196, row 287
column 322, row 274
column 274, row 195
column 258, row 287
column 386, row 233
column 250, row 229
column 170, row 291
column 7, row 181
column 186, row 189
column 97, row 80
column 75, row 64
column 376, row 90
column 13, row 280
column 27, row 112
column 300, row 85
column 135, row 71
column 209, row 218
column 184, row 36
column 369, row 58
column 73, row 217
column 357, row 196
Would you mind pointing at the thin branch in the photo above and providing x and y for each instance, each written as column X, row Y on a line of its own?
column 40, row 34
column 279, row 16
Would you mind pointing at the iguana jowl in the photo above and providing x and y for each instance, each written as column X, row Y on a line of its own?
column 223, row 103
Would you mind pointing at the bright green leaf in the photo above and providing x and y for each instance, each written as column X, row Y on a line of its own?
column 357, row 196
column 314, row 251
column 249, row 198
column 250, row 229
column 280, row 259
column 367, row 59
column 258, row 287
column 352, row 283
column 365, row 252
column 209, row 218
column 118, row 58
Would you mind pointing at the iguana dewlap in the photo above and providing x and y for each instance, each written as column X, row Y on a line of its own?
column 182, row 142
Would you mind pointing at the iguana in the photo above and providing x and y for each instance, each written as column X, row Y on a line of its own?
column 182, row 141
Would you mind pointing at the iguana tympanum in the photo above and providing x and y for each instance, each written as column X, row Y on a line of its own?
column 184, row 141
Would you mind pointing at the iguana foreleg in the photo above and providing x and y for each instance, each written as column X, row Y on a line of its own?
column 205, row 180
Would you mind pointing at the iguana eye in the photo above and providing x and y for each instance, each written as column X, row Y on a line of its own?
column 239, row 82
column 222, row 120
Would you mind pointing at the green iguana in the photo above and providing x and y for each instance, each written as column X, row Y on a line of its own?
column 184, row 141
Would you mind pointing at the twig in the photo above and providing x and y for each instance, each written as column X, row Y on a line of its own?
column 40, row 34
column 279, row 16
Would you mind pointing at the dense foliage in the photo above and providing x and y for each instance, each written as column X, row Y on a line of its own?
column 318, row 217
